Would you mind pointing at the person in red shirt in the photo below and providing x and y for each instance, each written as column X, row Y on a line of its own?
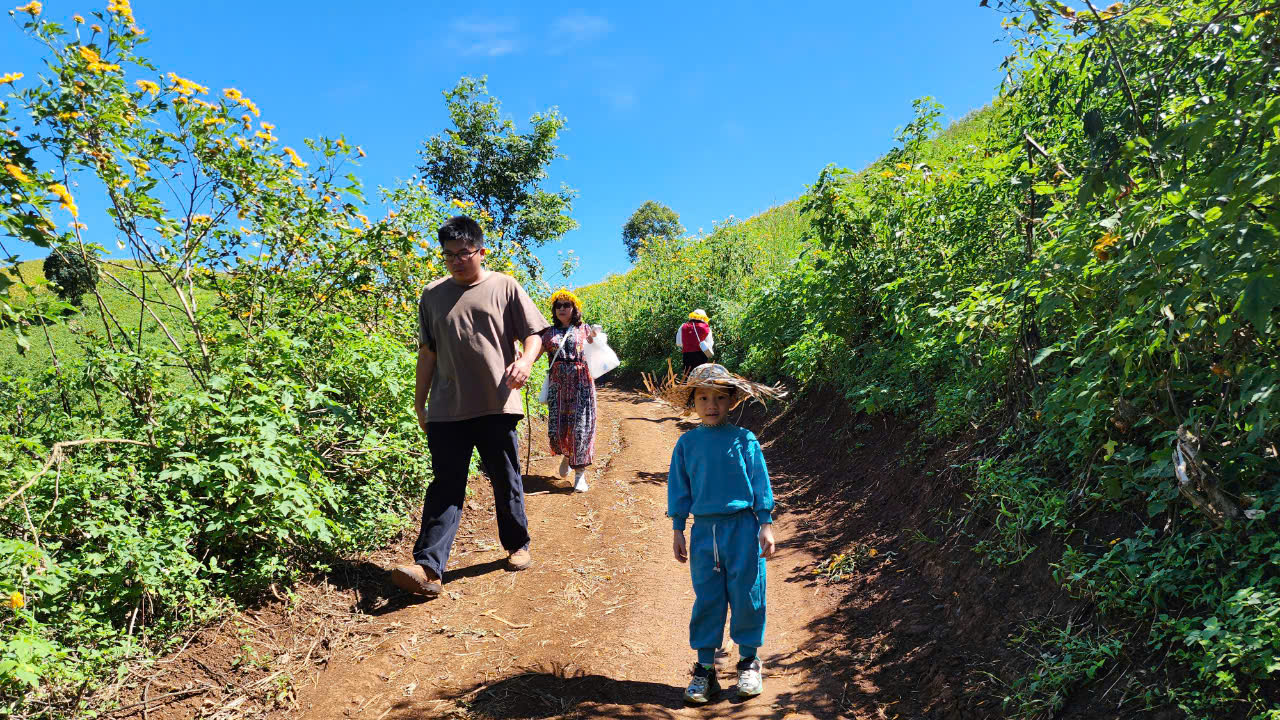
column 695, row 341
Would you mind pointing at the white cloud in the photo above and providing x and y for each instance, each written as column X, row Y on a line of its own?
column 491, row 37
column 580, row 27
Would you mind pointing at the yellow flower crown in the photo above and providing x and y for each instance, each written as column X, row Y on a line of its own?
column 563, row 294
column 699, row 316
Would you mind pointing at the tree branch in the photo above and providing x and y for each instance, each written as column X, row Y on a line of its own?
column 1046, row 155
column 58, row 454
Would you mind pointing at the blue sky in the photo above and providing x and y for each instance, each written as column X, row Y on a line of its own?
column 713, row 109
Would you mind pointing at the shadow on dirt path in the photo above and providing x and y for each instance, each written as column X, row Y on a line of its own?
column 597, row 628
column 912, row 626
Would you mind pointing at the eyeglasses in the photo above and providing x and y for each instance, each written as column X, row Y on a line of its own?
column 451, row 256
column 564, row 306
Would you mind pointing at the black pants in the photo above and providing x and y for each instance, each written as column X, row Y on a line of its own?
column 450, row 444
column 694, row 359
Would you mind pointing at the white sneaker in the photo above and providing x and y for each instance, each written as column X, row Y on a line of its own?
column 564, row 466
column 703, row 687
column 580, row 481
column 750, row 684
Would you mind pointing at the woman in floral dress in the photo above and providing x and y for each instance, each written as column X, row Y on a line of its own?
column 571, row 393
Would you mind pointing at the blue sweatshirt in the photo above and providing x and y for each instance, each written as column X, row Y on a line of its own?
column 718, row 470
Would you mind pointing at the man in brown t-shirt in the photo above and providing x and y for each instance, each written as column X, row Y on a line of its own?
column 468, row 325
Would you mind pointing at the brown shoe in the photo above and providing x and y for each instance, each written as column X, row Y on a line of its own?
column 520, row 559
column 417, row 580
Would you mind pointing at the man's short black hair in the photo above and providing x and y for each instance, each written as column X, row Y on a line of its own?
column 461, row 228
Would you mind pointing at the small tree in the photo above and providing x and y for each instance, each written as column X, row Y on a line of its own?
column 650, row 220
column 71, row 273
column 483, row 161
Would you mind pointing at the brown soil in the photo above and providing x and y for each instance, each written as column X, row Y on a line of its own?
column 597, row 628
column 924, row 628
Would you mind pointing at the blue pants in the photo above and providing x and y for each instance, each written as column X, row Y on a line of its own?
column 728, row 573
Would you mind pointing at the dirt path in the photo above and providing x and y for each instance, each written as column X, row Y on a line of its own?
column 596, row 628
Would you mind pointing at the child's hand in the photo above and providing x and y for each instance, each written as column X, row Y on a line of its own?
column 679, row 547
column 767, row 546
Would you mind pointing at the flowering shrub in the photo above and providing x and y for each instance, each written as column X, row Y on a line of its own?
column 233, row 406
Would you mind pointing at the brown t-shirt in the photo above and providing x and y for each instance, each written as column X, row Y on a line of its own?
column 473, row 331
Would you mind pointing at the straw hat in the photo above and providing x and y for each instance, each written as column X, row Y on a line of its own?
column 675, row 390
column 699, row 314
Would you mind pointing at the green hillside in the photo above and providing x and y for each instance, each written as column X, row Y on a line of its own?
column 28, row 272
column 1074, row 295
column 719, row 272
column 732, row 270
column 119, row 301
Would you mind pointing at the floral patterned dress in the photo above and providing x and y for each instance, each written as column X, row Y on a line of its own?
column 571, row 396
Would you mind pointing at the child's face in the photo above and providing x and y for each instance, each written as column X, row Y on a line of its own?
column 711, row 405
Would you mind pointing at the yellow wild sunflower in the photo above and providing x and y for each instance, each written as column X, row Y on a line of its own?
column 567, row 296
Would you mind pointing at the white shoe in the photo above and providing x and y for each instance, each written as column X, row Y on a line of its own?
column 580, row 481
column 564, row 467
column 750, row 684
column 703, row 687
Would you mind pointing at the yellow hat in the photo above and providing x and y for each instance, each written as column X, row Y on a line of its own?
column 565, row 295
column 699, row 314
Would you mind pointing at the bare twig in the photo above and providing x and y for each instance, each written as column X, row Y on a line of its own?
column 1255, row 11
column 508, row 623
column 1194, row 477
column 1115, row 60
column 58, row 454
column 169, row 697
column 133, row 618
column 1047, row 156
column 146, row 306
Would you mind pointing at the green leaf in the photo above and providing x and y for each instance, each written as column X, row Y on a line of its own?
column 1261, row 295
column 1044, row 353
column 1093, row 123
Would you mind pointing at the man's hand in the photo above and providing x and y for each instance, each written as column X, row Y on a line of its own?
column 517, row 374
column 767, row 546
column 679, row 547
column 422, row 383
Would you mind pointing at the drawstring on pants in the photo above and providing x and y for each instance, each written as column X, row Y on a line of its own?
column 715, row 547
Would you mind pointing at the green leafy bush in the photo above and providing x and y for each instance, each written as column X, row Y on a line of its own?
column 233, row 408
column 71, row 274
column 1087, row 273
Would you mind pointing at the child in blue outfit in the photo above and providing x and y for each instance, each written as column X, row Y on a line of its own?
column 718, row 475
